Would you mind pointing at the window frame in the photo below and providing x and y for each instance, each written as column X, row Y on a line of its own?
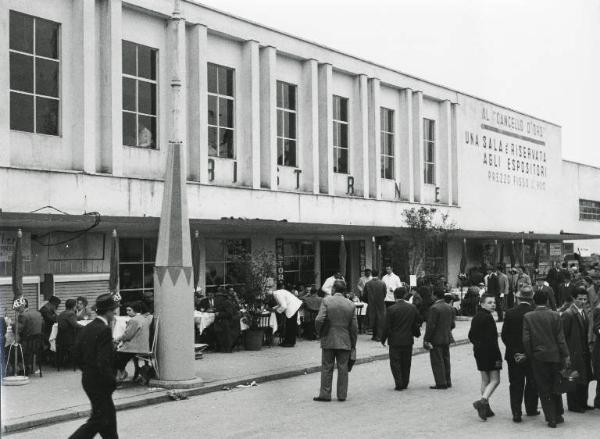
column 138, row 113
column 217, row 124
column 226, row 259
column 33, row 55
column 143, row 262
column 298, row 257
column 281, row 85
column 589, row 212
column 335, row 123
column 426, row 142
column 387, row 134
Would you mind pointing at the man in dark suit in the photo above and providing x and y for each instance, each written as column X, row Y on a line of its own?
column 375, row 291
column 30, row 334
column 520, row 374
column 545, row 346
column 67, row 329
column 438, row 335
column 540, row 284
column 575, row 326
column 594, row 336
column 48, row 312
column 94, row 353
column 565, row 289
column 337, row 324
column 402, row 324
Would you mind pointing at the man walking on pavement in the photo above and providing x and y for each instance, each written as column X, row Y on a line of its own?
column 391, row 281
column 94, row 354
column 375, row 292
column 438, row 334
column 497, row 286
column 545, row 346
column 520, row 375
column 402, row 324
column 594, row 338
column 337, row 324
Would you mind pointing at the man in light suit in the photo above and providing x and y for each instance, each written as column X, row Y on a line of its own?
column 402, row 324
column 337, row 324
column 438, row 335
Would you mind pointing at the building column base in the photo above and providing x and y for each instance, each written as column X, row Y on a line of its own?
column 176, row 384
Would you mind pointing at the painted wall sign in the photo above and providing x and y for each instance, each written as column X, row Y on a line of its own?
column 7, row 245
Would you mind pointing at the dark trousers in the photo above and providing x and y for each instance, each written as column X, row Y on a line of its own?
column 328, row 358
column 596, row 367
column 121, row 359
column 577, row 400
column 547, row 381
column 103, row 419
column 440, row 364
column 499, row 308
column 522, row 387
column 400, row 362
column 291, row 330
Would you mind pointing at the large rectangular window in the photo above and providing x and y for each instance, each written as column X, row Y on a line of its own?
column 34, row 74
column 589, row 210
column 286, row 124
column 340, row 135
column 429, row 150
column 139, row 95
column 136, row 267
column 223, row 265
column 298, row 262
column 221, row 111
column 387, row 143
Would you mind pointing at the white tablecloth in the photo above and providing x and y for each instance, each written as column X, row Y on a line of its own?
column 118, row 329
column 203, row 320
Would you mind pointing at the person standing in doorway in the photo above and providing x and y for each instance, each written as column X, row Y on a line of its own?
column 402, row 324
column 337, row 324
column 94, row 353
column 484, row 336
column 438, row 335
column 522, row 384
column 375, row 292
column 391, row 281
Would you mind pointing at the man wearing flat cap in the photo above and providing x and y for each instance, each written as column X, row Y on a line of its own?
column 94, row 354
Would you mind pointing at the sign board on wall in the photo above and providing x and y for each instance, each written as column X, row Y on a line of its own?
column 279, row 259
column 555, row 249
column 7, row 245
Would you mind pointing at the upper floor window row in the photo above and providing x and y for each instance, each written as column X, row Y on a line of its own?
column 387, row 143
column 429, row 151
column 221, row 111
column 589, row 210
column 286, row 124
column 340, row 135
column 34, row 74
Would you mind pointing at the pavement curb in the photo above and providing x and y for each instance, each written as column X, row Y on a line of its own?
column 160, row 396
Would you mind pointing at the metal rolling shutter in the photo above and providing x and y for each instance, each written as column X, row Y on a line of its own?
column 72, row 290
column 30, row 292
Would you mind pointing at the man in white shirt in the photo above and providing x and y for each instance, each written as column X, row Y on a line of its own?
column 391, row 281
column 289, row 304
column 328, row 284
column 362, row 282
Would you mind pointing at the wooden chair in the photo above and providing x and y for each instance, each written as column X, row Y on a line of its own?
column 150, row 357
column 359, row 317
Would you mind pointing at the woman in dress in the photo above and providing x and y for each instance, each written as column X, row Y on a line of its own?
column 484, row 336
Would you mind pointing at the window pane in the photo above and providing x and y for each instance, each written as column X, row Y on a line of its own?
column 21, row 72
column 336, row 133
column 290, row 153
column 280, row 87
column 128, row 58
column 225, row 81
column 336, row 107
column 146, row 62
column 21, row 32
column 146, row 131
column 130, row 249
column 387, row 167
column 215, row 274
column 130, row 276
column 146, row 97
column 225, row 112
column 212, row 141
column 148, row 275
column 430, row 153
column 212, row 78
column 343, row 135
column 212, row 110
column 46, row 38
column 344, row 109
column 280, row 123
column 290, row 125
column 21, row 112
column 280, row 152
column 389, row 144
column 129, row 94
column 340, row 160
column 150, row 250
column 46, row 77
column 226, row 143
column 129, row 129
column 46, row 117
column 214, row 250
column 291, row 97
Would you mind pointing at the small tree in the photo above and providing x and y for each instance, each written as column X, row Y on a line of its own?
column 425, row 226
column 257, row 270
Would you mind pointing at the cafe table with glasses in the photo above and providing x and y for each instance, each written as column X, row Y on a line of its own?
column 119, row 325
column 203, row 319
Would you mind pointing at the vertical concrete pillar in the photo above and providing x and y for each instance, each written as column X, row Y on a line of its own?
column 360, row 146
column 268, row 118
column 417, row 121
column 445, row 152
column 111, row 85
column 405, row 160
column 174, row 303
column 326, row 129
column 83, row 83
column 309, row 118
column 4, row 88
column 374, row 139
column 248, row 149
column 455, row 161
column 318, row 274
column 197, row 106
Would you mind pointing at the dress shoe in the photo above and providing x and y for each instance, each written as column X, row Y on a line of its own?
column 438, row 387
column 577, row 410
column 489, row 413
column 318, row 398
column 551, row 424
column 588, row 407
column 481, row 408
column 341, row 399
column 517, row 418
column 536, row 413
column 287, row 345
column 398, row 388
column 560, row 420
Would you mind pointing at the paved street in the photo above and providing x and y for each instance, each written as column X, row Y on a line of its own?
column 285, row 409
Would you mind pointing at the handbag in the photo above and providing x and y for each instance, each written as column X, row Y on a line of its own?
column 568, row 380
column 351, row 359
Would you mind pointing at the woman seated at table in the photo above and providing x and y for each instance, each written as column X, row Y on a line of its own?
column 227, row 321
column 135, row 339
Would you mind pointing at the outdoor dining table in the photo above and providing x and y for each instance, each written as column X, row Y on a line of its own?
column 120, row 323
column 204, row 319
